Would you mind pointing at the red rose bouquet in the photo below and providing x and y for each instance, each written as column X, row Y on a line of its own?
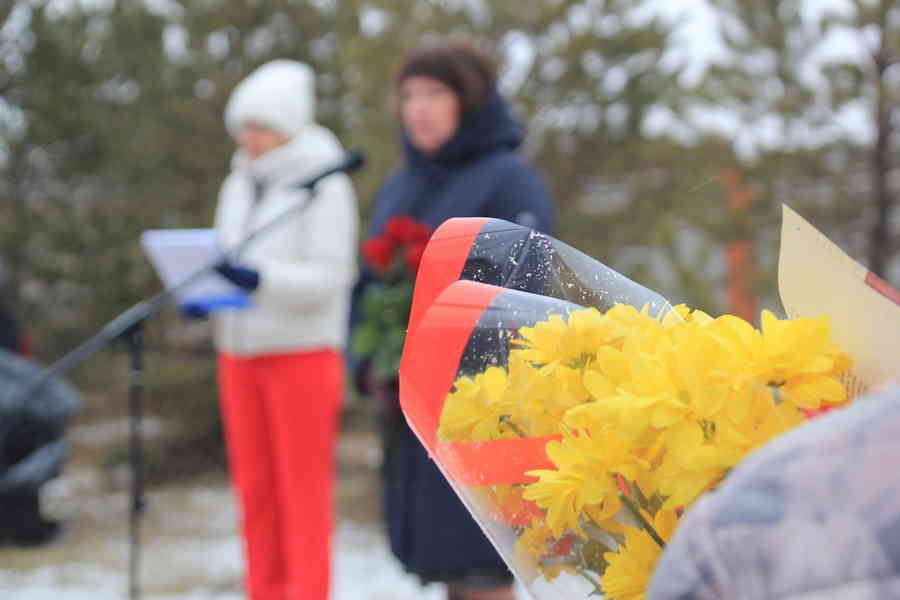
column 394, row 256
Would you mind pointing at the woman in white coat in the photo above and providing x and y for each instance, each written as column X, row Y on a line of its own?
column 281, row 373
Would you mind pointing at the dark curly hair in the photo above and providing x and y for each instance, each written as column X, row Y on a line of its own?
column 458, row 64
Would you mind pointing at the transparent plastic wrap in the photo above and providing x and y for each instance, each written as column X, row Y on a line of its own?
column 577, row 422
column 510, row 256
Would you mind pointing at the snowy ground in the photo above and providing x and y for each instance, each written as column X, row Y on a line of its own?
column 190, row 548
column 192, row 555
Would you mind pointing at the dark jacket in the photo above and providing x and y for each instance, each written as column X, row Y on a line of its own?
column 9, row 332
column 477, row 173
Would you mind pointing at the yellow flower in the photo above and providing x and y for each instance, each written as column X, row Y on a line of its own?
column 649, row 376
column 564, row 494
column 545, row 343
column 589, row 329
column 473, row 411
column 680, row 314
column 629, row 570
column 799, row 347
column 568, row 390
column 583, row 477
column 664, row 523
column 612, row 363
column 691, row 465
column 648, row 401
column 533, row 394
column 631, row 318
column 655, row 392
column 598, row 386
column 740, row 340
column 567, row 340
column 810, row 392
column 767, row 418
column 664, row 407
column 533, row 540
column 677, row 315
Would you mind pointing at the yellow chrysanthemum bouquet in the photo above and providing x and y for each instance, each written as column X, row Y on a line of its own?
column 578, row 415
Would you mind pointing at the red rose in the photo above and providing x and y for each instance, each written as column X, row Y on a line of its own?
column 406, row 230
column 378, row 252
column 414, row 256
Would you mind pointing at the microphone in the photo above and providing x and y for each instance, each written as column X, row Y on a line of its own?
column 351, row 161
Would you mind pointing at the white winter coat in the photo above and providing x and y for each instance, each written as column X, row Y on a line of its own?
column 306, row 264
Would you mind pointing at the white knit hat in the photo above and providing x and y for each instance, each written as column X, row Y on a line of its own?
column 280, row 94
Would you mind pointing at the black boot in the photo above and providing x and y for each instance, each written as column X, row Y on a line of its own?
column 21, row 523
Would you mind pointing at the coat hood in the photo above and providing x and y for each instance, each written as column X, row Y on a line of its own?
column 492, row 127
column 280, row 94
column 307, row 153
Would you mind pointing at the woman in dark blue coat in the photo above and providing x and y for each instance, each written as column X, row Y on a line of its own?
column 460, row 141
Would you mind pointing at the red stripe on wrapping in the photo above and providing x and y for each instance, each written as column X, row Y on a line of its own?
column 427, row 371
column 883, row 287
column 498, row 462
column 442, row 262
column 432, row 353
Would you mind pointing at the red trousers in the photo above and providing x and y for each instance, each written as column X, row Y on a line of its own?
column 280, row 417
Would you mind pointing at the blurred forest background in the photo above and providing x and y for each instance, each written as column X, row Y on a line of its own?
column 669, row 171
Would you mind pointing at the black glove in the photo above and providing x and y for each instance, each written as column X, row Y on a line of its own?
column 202, row 309
column 195, row 310
column 243, row 277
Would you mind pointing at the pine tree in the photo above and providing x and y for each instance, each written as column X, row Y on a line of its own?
column 129, row 97
column 781, row 82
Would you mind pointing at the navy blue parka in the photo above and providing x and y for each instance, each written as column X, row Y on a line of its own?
column 477, row 173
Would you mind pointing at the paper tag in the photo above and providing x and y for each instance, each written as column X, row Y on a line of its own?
column 177, row 253
column 816, row 278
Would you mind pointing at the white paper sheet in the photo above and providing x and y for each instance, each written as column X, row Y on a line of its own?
column 177, row 253
column 816, row 278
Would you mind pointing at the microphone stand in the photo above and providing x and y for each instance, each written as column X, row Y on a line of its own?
column 134, row 339
column 128, row 326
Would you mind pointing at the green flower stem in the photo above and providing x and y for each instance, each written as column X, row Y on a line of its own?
column 508, row 422
column 633, row 509
column 777, row 393
column 598, row 589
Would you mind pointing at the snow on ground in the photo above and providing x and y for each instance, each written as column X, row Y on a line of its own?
column 190, row 549
column 363, row 570
column 193, row 553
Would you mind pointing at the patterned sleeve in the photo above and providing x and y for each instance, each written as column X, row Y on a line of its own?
column 814, row 514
